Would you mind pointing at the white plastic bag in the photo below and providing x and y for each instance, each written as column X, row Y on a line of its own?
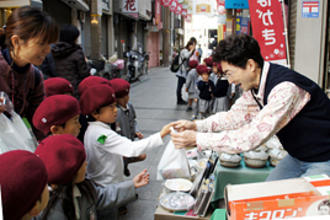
column 173, row 164
column 14, row 134
column 184, row 93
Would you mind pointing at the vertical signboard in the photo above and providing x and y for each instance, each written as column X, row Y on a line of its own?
column 268, row 29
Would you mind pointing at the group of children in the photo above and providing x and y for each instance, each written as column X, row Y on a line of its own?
column 86, row 179
column 208, row 88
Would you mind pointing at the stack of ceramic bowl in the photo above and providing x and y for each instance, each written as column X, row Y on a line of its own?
column 230, row 160
column 276, row 155
column 256, row 158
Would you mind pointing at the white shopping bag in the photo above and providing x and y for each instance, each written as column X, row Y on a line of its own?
column 184, row 93
column 173, row 164
column 14, row 134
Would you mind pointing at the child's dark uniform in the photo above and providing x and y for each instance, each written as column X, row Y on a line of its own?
column 221, row 92
column 205, row 94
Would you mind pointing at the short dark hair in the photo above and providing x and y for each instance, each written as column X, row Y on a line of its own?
column 191, row 41
column 237, row 49
column 69, row 33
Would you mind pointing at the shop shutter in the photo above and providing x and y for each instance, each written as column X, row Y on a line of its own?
column 292, row 30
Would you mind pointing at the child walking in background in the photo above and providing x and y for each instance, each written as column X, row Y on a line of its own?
column 221, row 91
column 73, row 196
column 105, row 148
column 206, row 88
column 191, row 84
column 126, row 124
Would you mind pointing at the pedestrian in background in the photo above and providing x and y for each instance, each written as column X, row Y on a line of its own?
column 69, row 57
column 191, row 84
column 185, row 55
column 25, row 42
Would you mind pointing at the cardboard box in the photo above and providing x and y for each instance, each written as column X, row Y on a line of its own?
column 163, row 214
column 279, row 199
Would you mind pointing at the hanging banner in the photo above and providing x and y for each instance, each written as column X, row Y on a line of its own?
column 173, row 5
column 221, row 7
column 178, row 9
column 268, row 29
column 184, row 13
column 157, row 12
column 166, row 3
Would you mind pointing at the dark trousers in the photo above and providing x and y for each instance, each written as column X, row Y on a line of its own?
column 181, row 81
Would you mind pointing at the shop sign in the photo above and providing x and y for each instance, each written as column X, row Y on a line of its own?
column 268, row 29
column 130, row 6
column 106, row 5
column 310, row 9
column 238, row 4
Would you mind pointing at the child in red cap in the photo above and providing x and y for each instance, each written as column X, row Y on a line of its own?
column 58, row 114
column 105, row 148
column 206, row 88
column 191, row 84
column 57, row 86
column 23, row 181
column 222, row 90
column 126, row 124
column 73, row 196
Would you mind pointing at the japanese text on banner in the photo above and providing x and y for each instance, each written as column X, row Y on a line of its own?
column 268, row 29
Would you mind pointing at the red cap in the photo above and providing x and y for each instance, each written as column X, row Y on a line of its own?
column 91, row 81
column 208, row 61
column 193, row 63
column 96, row 96
column 120, row 86
column 220, row 68
column 202, row 69
column 63, row 156
column 57, row 86
column 23, row 178
column 55, row 110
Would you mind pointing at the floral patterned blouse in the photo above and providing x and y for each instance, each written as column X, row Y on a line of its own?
column 245, row 126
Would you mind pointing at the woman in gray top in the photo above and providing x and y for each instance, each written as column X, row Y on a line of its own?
column 185, row 55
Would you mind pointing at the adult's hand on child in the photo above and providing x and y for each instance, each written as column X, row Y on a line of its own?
column 141, row 179
column 139, row 135
column 184, row 139
column 183, row 125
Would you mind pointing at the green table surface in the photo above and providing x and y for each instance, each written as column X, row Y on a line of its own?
column 219, row 214
column 241, row 174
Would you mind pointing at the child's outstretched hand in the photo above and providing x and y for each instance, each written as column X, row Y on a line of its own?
column 165, row 130
column 139, row 135
column 141, row 179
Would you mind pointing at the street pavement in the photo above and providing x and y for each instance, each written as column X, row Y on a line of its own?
column 154, row 99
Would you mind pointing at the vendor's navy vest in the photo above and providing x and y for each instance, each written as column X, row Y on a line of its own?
column 307, row 136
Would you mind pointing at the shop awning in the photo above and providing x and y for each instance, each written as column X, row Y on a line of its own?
column 14, row 3
column 78, row 4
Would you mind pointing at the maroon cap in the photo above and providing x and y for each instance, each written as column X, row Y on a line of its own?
column 55, row 110
column 208, row 61
column 96, row 96
column 23, row 178
column 57, row 86
column 62, row 155
column 202, row 69
column 193, row 63
column 120, row 86
column 91, row 81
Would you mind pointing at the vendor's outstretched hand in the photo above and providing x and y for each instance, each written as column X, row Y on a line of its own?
column 182, row 125
column 141, row 179
column 184, row 139
column 165, row 130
